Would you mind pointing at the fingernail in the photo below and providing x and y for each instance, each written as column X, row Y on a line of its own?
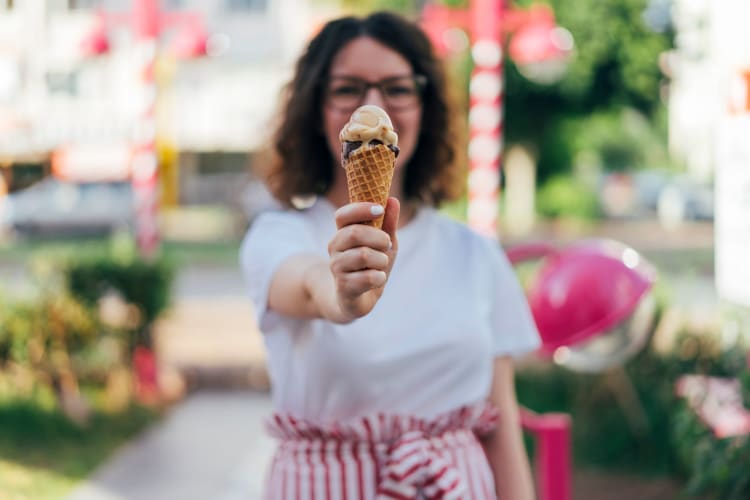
column 390, row 244
column 377, row 210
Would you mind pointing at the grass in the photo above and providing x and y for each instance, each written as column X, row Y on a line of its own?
column 43, row 455
column 199, row 253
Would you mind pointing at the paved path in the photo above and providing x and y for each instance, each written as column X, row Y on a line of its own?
column 209, row 447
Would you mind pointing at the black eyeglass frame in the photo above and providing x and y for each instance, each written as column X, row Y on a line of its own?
column 420, row 82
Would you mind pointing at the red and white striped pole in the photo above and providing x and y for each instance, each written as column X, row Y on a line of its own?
column 485, row 115
column 145, row 166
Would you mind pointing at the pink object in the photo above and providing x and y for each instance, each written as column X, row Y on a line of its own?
column 717, row 402
column 553, row 463
column 146, row 375
column 190, row 42
column 580, row 292
column 96, row 43
column 583, row 290
column 534, row 38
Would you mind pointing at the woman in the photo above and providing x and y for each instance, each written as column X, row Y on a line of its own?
column 389, row 350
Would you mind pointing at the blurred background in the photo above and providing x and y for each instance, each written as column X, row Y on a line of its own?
column 131, row 136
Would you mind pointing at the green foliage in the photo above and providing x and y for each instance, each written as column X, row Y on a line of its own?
column 456, row 3
column 652, row 434
column 44, row 332
column 616, row 55
column 621, row 139
column 92, row 275
column 43, row 454
column 146, row 284
column 58, row 420
column 92, row 308
column 615, row 65
column 605, row 435
column 715, row 466
column 567, row 196
column 718, row 467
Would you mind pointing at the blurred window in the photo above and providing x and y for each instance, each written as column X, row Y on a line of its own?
column 62, row 82
column 84, row 4
column 251, row 5
column 95, row 4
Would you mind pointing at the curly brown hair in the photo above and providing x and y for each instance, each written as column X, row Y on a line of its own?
column 302, row 164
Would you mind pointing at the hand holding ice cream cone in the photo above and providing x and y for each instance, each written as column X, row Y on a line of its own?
column 362, row 259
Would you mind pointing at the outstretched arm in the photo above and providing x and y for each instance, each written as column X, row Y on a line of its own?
column 347, row 284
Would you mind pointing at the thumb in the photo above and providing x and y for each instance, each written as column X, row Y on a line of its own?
column 390, row 222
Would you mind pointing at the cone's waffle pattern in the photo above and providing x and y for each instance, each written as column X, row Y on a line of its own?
column 369, row 172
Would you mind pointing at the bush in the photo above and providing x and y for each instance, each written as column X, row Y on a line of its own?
column 92, row 309
column 39, row 341
column 647, row 435
column 716, row 466
column 144, row 284
column 134, row 290
column 565, row 196
column 610, row 432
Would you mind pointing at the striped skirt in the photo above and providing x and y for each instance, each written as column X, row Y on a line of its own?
column 383, row 458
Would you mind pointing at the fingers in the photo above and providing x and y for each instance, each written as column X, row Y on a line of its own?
column 357, row 213
column 357, row 259
column 356, row 283
column 359, row 235
column 361, row 256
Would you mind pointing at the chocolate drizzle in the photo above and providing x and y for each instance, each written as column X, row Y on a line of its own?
column 351, row 146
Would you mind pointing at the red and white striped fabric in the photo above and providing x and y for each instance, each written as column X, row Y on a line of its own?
column 383, row 458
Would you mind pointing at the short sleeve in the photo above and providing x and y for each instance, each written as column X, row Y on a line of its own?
column 272, row 238
column 514, row 329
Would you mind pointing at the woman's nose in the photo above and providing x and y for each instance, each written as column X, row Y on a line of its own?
column 373, row 96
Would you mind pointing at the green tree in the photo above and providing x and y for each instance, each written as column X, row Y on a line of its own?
column 615, row 67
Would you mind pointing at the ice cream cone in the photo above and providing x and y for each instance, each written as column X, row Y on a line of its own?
column 369, row 172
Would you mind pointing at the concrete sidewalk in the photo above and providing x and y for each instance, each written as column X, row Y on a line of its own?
column 211, row 446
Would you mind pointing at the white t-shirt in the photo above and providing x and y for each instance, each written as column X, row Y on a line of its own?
column 451, row 305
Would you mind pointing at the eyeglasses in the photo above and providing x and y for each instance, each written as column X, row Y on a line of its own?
column 400, row 92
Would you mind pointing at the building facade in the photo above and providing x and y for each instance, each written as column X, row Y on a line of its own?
column 69, row 82
column 709, row 120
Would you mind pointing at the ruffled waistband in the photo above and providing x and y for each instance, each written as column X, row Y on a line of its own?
column 480, row 418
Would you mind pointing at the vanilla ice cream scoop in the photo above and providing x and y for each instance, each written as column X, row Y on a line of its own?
column 369, row 125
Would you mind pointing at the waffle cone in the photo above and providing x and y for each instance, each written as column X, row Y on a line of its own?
column 369, row 172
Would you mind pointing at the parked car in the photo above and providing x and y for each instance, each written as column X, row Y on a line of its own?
column 654, row 193
column 55, row 206
column 686, row 199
